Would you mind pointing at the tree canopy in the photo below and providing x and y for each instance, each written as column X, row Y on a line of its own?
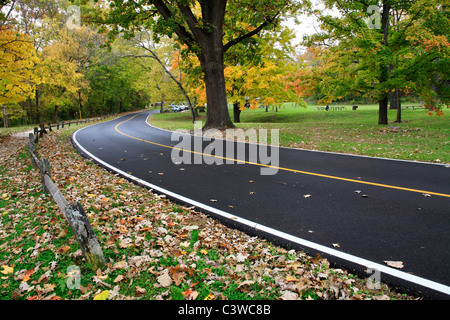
column 207, row 28
column 374, row 48
column 17, row 62
column 117, row 55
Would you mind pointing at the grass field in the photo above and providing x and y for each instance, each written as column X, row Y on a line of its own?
column 420, row 137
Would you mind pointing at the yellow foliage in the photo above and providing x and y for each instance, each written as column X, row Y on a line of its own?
column 17, row 65
column 60, row 69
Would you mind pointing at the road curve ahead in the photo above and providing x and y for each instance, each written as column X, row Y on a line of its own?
column 358, row 212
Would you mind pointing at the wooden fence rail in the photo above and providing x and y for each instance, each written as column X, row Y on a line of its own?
column 74, row 212
column 39, row 132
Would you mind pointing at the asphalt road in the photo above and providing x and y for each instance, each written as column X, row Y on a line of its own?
column 357, row 212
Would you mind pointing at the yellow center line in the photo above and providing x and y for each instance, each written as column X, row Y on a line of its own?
column 281, row 168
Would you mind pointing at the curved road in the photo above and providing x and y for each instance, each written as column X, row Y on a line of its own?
column 357, row 212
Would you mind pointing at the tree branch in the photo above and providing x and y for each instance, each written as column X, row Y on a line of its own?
column 250, row 34
column 181, row 31
column 9, row 12
column 191, row 20
column 155, row 56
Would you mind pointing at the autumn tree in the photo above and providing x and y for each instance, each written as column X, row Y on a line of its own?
column 208, row 28
column 361, row 52
column 61, row 70
column 255, row 72
column 17, row 67
column 45, row 21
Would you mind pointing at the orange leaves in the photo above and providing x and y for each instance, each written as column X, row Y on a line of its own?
column 190, row 295
column 27, row 275
column 155, row 249
column 175, row 62
column 437, row 42
column 63, row 249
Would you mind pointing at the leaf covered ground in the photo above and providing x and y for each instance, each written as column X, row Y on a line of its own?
column 155, row 249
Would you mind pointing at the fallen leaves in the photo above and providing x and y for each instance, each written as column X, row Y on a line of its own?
column 120, row 265
column 164, row 279
column 7, row 270
column 104, row 295
column 154, row 248
column 27, row 275
column 178, row 277
column 190, row 295
column 118, row 278
column 395, row 264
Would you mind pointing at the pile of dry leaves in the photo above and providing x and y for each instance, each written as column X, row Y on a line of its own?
column 154, row 249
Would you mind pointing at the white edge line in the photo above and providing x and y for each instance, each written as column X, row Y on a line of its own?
column 302, row 242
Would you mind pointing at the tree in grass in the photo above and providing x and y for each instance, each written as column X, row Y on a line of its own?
column 376, row 47
column 255, row 72
column 208, row 28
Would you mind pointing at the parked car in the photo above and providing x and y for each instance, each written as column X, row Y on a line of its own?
column 176, row 108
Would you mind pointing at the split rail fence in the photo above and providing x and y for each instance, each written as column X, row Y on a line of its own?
column 73, row 212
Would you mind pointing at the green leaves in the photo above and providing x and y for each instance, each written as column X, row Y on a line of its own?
column 352, row 56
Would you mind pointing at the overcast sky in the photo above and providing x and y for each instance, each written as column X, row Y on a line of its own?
column 309, row 24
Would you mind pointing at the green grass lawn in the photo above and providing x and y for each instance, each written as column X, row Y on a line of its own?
column 420, row 137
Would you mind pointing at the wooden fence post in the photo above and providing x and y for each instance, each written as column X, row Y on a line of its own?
column 33, row 151
column 74, row 213
column 44, row 168
column 36, row 135
column 85, row 235
column 42, row 130
column 79, row 222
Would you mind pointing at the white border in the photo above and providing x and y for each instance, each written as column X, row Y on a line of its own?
column 302, row 242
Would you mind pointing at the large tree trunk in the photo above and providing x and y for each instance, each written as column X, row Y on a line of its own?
column 217, row 115
column 395, row 103
column 394, row 100
column 211, row 61
column 383, row 110
column 205, row 36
